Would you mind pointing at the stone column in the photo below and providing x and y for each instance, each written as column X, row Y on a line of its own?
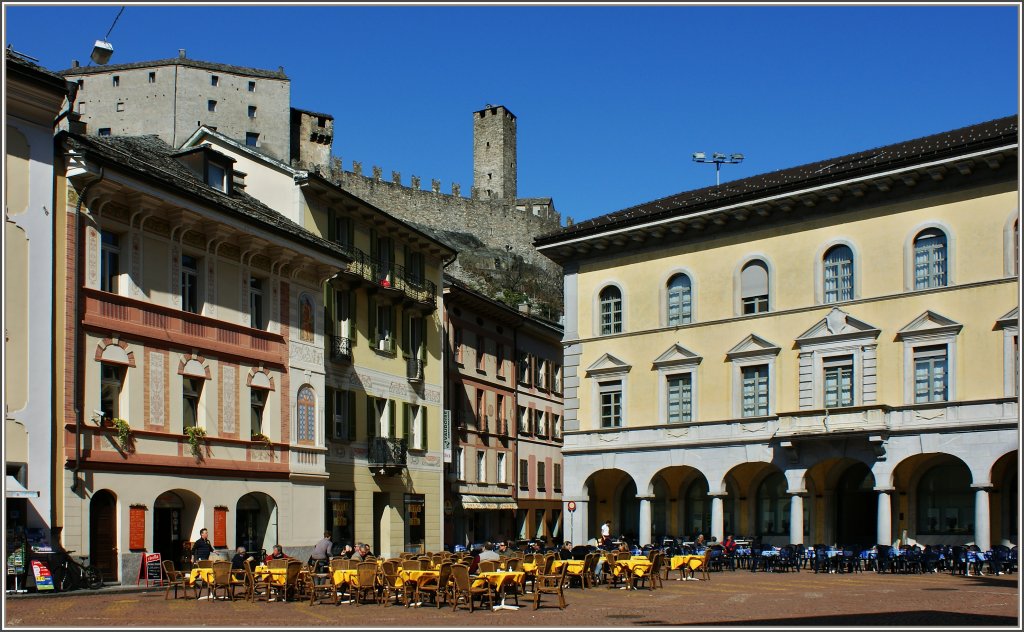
column 982, row 530
column 884, row 522
column 796, row 517
column 645, row 520
column 717, row 517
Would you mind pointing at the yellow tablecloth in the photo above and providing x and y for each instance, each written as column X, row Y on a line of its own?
column 277, row 575
column 345, row 576
column 529, row 567
column 500, row 579
column 574, row 566
column 638, row 567
column 693, row 561
column 205, row 574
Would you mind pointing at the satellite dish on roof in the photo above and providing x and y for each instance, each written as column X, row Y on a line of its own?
column 101, row 52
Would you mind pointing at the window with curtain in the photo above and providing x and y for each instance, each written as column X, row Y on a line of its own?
column 754, row 287
column 680, row 398
column 930, row 374
column 838, row 382
column 191, row 389
column 111, row 383
column 257, row 403
column 930, row 259
column 190, row 284
column 838, row 273
column 611, row 310
column 755, row 390
column 680, row 300
column 256, row 320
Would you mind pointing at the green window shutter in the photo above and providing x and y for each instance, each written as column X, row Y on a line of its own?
column 392, row 429
column 371, row 310
column 423, row 338
column 350, row 401
column 423, row 427
column 329, row 422
column 406, row 335
column 371, row 418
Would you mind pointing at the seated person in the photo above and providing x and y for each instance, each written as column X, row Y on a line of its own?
column 276, row 554
column 238, row 561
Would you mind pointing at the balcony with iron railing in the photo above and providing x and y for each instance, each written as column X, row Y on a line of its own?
column 341, row 349
column 390, row 278
column 387, row 455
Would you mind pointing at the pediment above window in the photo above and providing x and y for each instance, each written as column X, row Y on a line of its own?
column 1009, row 319
column 676, row 355
column 752, row 346
column 929, row 323
column 837, row 325
column 608, row 365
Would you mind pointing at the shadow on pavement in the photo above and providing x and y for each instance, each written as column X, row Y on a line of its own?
column 877, row 619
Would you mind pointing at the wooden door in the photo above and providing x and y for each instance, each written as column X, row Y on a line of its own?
column 103, row 535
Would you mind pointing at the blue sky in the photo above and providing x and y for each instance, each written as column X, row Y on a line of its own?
column 611, row 101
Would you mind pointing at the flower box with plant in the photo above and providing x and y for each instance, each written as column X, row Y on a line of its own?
column 124, row 433
column 261, row 438
column 195, row 434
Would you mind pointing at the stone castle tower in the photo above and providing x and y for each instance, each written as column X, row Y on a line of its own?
column 494, row 154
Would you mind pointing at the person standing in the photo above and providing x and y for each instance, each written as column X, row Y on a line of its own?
column 202, row 548
column 606, row 533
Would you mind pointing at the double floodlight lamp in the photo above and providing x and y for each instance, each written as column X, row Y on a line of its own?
column 718, row 159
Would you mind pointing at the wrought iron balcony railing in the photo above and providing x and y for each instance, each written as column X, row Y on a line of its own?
column 387, row 454
column 341, row 348
column 390, row 276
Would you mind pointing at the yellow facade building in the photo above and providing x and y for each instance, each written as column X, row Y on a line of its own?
column 823, row 354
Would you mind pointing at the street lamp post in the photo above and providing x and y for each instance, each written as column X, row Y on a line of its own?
column 719, row 160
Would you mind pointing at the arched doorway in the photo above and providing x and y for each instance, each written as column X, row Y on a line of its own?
column 256, row 522
column 697, row 509
column 945, row 504
column 103, row 534
column 629, row 513
column 168, row 530
column 856, row 507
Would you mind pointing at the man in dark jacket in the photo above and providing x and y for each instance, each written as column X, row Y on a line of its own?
column 202, row 549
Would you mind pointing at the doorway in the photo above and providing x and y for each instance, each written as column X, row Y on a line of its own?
column 167, row 519
column 856, row 507
column 103, row 534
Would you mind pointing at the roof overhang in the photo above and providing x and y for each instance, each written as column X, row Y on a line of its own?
column 14, row 489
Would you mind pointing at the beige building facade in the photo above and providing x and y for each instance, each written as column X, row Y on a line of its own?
column 826, row 354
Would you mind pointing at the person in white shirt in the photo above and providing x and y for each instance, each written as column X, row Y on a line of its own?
column 606, row 533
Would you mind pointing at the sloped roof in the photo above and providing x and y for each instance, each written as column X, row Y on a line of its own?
column 153, row 159
column 972, row 138
column 16, row 63
column 178, row 61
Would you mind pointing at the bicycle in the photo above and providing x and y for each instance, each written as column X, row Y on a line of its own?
column 76, row 576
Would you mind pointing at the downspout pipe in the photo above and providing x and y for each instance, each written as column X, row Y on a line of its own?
column 79, row 282
column 445, row 395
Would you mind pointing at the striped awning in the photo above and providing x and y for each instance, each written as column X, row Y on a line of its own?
column 470, row 501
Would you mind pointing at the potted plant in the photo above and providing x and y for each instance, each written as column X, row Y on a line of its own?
column 124, row 433
column 195, row 434
column 259, row 436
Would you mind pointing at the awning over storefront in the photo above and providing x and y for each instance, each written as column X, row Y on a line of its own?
column 487, row 502
column 15, row 489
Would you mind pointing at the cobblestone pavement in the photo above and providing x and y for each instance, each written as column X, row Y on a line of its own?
column 730, row 598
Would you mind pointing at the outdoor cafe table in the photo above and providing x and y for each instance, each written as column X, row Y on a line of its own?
column 572, row 566
column 500, row 580
column 691, row 561
column 204, row 574
column 637, row 566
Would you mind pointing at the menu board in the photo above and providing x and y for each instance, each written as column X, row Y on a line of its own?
column 149, row 570
column 136, row 528
column 44, row 580
column 220, row 532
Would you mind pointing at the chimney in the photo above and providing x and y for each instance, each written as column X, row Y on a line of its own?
column 181, row 53
column 74, row 63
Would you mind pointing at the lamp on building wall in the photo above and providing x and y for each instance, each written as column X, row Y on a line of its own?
column 718, row 159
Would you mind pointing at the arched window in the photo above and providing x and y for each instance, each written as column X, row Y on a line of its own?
column 754, row 287
column 772, row 506
column 611, row 310
column 930, row 256
column 680, row 300
column 838, row 274
column 306, row 414
column 945, row 501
